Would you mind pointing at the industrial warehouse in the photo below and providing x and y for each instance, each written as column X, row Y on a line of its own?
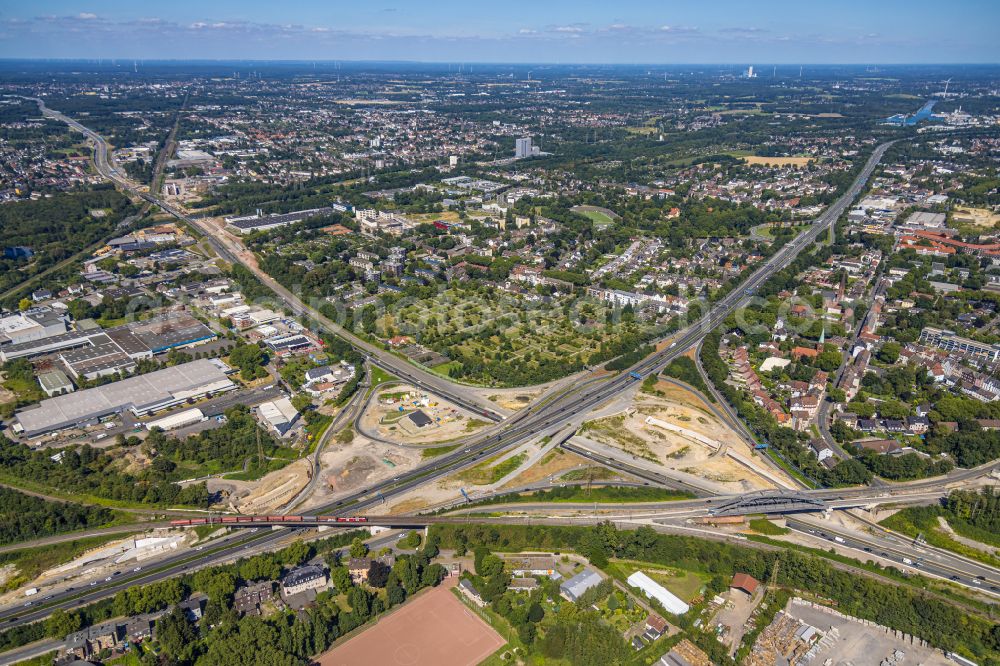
column 117, row 347
column 142, row 395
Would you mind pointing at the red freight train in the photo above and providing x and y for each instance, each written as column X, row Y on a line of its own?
column 228, row 520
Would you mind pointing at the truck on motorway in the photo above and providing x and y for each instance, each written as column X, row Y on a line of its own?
column 635, row 375
column 838, row 539
column 760, row 446
column 31, row 591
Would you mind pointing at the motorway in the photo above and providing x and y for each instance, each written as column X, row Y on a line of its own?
column 905, row 554
column 245, row 541
column 551, row 413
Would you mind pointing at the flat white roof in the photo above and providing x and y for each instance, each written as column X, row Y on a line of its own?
column 654, row 590
column 17, row 322
column 144, row 391
column 278, row 411
column 177, row 420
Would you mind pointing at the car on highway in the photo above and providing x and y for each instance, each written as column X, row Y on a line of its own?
column 137, row 569
column 93, row 583
column 27, row 603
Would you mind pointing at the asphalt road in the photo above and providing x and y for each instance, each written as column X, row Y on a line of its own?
column 904, row 554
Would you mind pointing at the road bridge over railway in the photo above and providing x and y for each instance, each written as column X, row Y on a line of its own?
column 769, row 502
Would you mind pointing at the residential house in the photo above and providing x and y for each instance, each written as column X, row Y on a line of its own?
column 880, row 446
column 820, row 449
column 523, row 584
column 358, row 567
column 532, row 566
column 655, row 627
column 192, row 608
column 249, row 600
column 466, row 587
column 300, row 579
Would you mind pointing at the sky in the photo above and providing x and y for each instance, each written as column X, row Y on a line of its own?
column 509, row 31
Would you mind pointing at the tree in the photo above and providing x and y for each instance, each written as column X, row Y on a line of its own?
column 526, row 632
column 301, row 401
column 864, row 410
column 889, row 353
column 341, row 578
column 260, row 567
column 378, row 574
column 219, row 586
column 296, row 554
column 491, row 565
column 250, row 359
column 893, row 409
column 358, row 548
column 176, row 634
column 536, row 613
column 61, row 623
column 24, row 304
column 829, row 360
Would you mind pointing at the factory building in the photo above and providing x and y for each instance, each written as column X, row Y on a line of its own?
column 142, row 395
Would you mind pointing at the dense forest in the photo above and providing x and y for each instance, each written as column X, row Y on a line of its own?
column 55, row 227
column 23, row 517
column 88, row 471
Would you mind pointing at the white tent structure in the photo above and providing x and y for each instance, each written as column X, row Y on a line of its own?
column 654, row 590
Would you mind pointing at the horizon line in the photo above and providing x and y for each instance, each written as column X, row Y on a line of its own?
column 790, row 63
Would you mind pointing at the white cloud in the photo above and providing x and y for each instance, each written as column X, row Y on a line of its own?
column 86, row 16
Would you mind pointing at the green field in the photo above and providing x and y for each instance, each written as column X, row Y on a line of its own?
column 686, row 585
column 436, row 451
column 490, row 471
column 597, row 217
column 765, row 526
column 380, row 376
column 603, row 494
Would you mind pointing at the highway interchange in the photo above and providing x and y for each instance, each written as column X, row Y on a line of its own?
column 555, row 413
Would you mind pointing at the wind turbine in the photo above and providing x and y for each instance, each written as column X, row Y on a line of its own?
column 946, row 87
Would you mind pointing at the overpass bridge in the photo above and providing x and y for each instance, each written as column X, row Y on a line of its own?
column 768, row 502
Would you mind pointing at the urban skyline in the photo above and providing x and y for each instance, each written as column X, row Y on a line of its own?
column 557, row 32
